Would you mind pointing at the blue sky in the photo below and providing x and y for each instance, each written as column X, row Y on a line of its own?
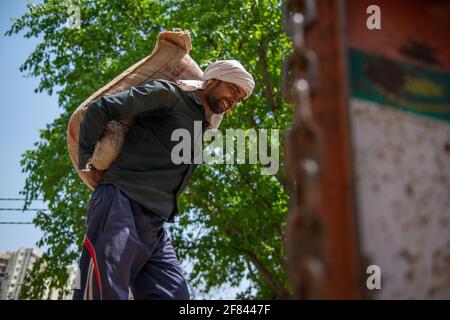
column 23, row 113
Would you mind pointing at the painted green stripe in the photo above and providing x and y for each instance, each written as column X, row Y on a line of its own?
column 400, row 85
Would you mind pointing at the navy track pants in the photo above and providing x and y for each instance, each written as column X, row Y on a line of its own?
column 126, row 247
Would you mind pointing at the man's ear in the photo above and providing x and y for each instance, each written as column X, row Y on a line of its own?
column 211, row 82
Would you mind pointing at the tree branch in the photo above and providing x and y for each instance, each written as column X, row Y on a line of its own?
column 266, row 76
column 230, row 228
column 264, row 202
column 278, row 288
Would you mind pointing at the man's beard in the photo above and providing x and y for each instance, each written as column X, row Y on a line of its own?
column 217, row 105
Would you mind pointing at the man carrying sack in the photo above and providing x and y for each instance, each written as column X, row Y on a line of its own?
column 126, row 246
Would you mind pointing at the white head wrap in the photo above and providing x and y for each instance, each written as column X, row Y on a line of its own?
column 225, row 70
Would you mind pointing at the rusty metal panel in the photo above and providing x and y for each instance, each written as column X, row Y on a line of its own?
column 402, row 166
column 400, row 122
column 413, row 31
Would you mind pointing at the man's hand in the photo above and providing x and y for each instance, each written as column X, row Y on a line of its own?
column 93, row 176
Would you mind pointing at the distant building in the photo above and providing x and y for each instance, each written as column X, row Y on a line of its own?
column 4, row 259
column 17, row 264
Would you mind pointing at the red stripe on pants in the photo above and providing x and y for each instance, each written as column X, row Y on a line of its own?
column 91, row 250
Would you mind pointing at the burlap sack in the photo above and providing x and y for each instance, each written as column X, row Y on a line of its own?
column 169, row 60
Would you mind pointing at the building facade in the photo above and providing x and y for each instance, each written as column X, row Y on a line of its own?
column 4, row 259
column 16, row 265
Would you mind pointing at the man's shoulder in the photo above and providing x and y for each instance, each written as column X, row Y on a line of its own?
column 166, row 90
column 174, row 90
column 163, row 84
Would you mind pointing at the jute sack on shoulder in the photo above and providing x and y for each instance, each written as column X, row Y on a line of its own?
column 169, row 60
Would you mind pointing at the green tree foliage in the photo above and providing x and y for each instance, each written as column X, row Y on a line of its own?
column 231, row 220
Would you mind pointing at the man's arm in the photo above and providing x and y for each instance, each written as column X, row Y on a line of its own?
column 152, row 97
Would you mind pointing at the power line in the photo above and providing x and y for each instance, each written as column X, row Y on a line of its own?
column 3, row 222
column 19, row 199
column 18, row 209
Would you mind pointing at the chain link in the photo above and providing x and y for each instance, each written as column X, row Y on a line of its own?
column 305, row 241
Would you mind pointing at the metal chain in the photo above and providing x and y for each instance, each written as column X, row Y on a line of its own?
column 305, row 237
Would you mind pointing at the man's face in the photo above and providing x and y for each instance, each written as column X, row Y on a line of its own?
column 222, row 96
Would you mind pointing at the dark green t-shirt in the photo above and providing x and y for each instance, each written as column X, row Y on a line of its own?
column 144, row 169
